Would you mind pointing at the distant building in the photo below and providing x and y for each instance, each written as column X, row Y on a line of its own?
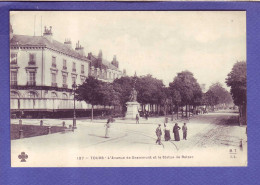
column 42, row 71
column 103, row 69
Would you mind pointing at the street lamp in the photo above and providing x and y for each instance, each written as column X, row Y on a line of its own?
column 74, row 86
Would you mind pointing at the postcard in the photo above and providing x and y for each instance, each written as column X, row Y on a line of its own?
column 128, row 88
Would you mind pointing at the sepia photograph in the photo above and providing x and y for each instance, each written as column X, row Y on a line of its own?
column 128, row 89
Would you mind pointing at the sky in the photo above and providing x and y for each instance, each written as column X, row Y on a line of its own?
column 161, row 43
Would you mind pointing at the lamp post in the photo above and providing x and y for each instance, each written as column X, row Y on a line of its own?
column 74, row 86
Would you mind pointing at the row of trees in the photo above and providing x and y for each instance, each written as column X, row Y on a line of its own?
column 236, row 80
column 183, row 91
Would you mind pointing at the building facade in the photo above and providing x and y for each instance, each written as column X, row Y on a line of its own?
column 43, row 70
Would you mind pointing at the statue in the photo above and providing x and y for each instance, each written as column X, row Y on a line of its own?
column 133, row 95
column 132, row 104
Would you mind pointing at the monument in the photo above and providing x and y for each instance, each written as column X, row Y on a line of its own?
column 132, row 104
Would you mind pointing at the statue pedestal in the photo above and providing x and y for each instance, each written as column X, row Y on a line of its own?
column 132, row 110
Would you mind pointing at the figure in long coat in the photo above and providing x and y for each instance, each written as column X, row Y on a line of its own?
column 167, row 135
column 184, row 130
column 158, row 134
column 176, row 129
column 107, row 125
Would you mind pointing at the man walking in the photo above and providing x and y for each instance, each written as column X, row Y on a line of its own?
column 137, row 118
column 184, row 130
column 158, row 134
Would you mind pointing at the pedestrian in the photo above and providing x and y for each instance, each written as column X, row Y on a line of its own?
column 184, row 130
column 107, row 125
column 158, row 134
column 137, row 118
column 167, row 135
column 176, row 129
column 146, row 115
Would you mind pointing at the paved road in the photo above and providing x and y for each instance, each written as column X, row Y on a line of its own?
column 212, row 130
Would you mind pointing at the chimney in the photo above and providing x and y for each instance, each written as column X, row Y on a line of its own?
column 100, row 54
column 68, row 43
column 80, row 49
column 48, row 33
column 11, row 32
column 89, row 56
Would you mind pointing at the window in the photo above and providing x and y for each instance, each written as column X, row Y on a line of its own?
column 31, row 78
column 31, row 94
column 82, row 69
column 64, row 64
column 64, row 96
column 53, row 77
column 114, row 76
column 54, row 95
column 53, row 64
column 13, row 58
column 32, row 58
column 14, row 94
column 74, row 67
column 13, row 78
column 53, row 80
column 73, row 79
column 109, row 75
column 64, row 79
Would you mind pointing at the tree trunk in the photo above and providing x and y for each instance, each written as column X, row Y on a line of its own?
column 189, row 110
column 186, row 110
column 177, row 111
column 92, row 109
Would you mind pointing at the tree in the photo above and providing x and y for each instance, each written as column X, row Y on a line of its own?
column 123, row 87
column 236, row 80
column 217, row 95
column 176, row 98
column 90, row 92
column 188, row 88
column 150, row 90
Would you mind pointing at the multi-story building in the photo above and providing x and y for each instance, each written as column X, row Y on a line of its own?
column 43, row 70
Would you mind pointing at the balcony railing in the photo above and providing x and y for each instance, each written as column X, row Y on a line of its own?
column 31, row 83
column 74, row 70
column 53, row 65
column 54, row 84
column 14, row 62
column 64, row 85
column 32, row 63
column 13, row 83
column 64, row 68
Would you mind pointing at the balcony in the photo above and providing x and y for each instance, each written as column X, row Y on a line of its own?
column 31, row 83
column 74, row 70
column 65, row 86
column 32, row 63
column 54, row 84
column 64, row 68
column 13, row 62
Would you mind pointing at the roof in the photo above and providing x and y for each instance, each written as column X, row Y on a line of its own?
column 25, row 40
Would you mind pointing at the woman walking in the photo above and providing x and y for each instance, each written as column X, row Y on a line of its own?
column 176, row 129
column 107, row 125
column 167, row 135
